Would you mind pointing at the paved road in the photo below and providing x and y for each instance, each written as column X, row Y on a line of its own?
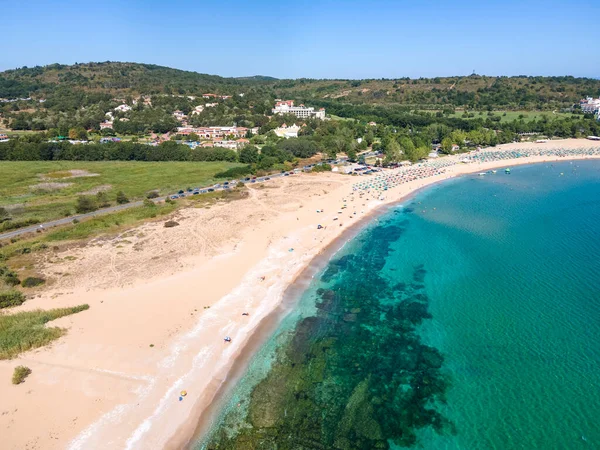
column 100, row 212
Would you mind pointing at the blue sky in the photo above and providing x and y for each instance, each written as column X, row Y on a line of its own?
column 317, row 39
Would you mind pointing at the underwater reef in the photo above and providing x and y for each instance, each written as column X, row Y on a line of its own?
column 355, row 375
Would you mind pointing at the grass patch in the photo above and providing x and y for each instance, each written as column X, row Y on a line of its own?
column 133, row 178
column 111, row 223
column 26, row 330
column 20, row 373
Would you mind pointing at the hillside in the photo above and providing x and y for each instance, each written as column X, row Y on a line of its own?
column 474, row 91
column 116, row 78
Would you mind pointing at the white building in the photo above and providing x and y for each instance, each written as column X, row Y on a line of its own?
column 123, row 108
column 590, row 105
column 302, row 112
column 287, row 132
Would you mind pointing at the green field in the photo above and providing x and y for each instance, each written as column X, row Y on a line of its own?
column 46, row 190
column 513, row 115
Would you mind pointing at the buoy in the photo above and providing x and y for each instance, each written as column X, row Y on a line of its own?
column 183, row 393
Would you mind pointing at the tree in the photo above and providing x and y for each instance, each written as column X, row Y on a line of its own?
column 351, row 152
column 193, row 137
column 122, row 198
column 73, row 133
column 447, row 145
column 85, row 204
column 393, row 152
column 417, row 153
column 249, row 155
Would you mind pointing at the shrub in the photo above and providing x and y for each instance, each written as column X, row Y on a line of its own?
column 122, row 198
column 4, row 215
column 152, row 194
column 234, row 172
column 322, row 168
column 20, row 373
column 171, row 224
column 86, row 204
column 8, row 276
column 14, row 224
column 30, row 282
column 149, row 203
column 11, row 298
column 102, row 200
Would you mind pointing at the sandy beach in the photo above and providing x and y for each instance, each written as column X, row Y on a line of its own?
column 162, row 300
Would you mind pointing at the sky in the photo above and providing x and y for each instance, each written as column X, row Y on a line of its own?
column 316, row 39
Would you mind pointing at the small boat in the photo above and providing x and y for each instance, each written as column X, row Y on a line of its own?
column 481, row 174
column 227, row 339
column 494, row 171
column 507, row 170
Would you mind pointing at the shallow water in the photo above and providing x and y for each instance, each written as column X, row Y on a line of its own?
column 467, row 318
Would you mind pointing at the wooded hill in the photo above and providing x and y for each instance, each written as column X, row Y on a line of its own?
column 472, row 92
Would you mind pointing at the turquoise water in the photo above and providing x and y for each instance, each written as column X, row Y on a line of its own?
column 466, row 318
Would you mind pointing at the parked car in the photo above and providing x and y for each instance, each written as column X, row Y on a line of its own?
column 267, row 178
column 211, row 190
column 174, row 197
column 180, row 192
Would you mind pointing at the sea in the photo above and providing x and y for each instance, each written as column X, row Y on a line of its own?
column 465, row 317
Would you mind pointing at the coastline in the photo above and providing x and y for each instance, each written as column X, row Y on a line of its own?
column 195, row 357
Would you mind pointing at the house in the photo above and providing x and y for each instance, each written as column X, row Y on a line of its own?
column 106, row 124
column 179, row 115
column 455, row 148
column 372, row 124
column 198, row 109
column 225, row 97
column 209, row 96
column 4, row 137
column 123, row 108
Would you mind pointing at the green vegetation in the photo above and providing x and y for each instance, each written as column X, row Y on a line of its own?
column 20, row 373
column 11, row 298
column 30, row 193
column 27, row 330
column 322, row 168
column 31, row 282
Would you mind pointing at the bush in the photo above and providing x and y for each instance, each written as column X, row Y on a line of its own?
column 149, row 203
column 30, row 282
column 11, row 298
column 102, row 200
column 171, row 224
column 322, row 168
column 86, row 204
column 152, row 194
column 235, row 172
column 20, row 373
column 14, row 224
column 122, row 198
column 8, row 276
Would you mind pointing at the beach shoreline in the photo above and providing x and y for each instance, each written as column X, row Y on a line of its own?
column 141, row 409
